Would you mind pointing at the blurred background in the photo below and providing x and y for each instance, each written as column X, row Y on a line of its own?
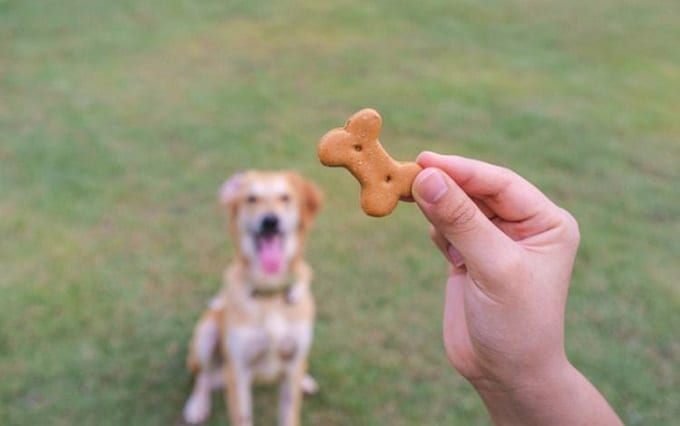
column 119, row 120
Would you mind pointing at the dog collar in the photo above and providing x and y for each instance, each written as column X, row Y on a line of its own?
column 271, row 291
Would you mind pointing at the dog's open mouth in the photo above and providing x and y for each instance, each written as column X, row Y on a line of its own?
column 270, row 252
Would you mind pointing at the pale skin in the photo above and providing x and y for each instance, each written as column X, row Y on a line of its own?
column 511, row 251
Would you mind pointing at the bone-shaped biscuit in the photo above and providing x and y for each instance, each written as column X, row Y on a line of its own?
column 357, row 148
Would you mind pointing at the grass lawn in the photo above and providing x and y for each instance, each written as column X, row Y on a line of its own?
column 120, row 119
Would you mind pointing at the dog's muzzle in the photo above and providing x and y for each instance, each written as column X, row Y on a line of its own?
column 269, row 225
column 269, row 244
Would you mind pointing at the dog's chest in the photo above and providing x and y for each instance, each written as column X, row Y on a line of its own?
column 269, row 344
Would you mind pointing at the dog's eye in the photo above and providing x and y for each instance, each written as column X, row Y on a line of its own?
column 285, row 198
column 252, row 199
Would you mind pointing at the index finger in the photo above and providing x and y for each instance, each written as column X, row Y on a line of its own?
column 507, row 194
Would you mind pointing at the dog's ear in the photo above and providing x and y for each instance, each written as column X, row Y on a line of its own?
column 365, row 125
column 311, row 198
column 231, row 190
column 230, row 196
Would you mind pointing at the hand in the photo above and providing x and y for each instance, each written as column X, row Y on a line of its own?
column 511, row 252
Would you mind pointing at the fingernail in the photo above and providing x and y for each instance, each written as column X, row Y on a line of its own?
column 455, row 256
column 431, row 187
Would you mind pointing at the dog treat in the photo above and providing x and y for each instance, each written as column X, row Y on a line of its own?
column 356, row 147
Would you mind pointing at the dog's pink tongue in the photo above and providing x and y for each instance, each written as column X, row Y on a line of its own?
column 271, row 255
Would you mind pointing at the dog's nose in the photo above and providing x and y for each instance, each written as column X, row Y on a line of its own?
column 270, row 224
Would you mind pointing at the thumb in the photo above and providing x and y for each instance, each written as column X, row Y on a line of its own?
column 458, row 219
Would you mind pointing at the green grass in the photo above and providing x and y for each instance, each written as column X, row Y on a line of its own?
column 119, row 120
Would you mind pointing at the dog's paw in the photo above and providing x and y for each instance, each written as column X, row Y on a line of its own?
column 309, row 385
column 197, row 409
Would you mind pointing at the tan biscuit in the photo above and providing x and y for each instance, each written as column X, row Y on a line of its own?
column 357, row 148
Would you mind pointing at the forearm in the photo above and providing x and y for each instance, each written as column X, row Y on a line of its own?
column 563, row 397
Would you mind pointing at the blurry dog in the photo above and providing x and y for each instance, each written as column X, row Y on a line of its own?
column 259, row 327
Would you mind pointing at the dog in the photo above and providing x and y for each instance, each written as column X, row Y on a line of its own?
column 259, row 327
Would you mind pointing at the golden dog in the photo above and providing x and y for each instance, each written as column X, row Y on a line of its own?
column 259, row 327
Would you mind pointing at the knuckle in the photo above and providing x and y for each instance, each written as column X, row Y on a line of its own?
column 505, row 173
column 505, row 176
column 572, row 233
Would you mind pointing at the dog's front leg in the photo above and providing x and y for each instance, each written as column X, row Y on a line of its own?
column 204, row 343
column 290, row 395
column 294, row 350
column 238, row 395
column 238, row 378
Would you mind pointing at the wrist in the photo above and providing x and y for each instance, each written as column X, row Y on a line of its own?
column 522, row 397
column 558, row 396
column 512, row 374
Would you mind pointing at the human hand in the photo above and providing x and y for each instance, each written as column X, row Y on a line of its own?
column 511, row 252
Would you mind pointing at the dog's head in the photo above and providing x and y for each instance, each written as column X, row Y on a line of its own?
column 270, row 213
